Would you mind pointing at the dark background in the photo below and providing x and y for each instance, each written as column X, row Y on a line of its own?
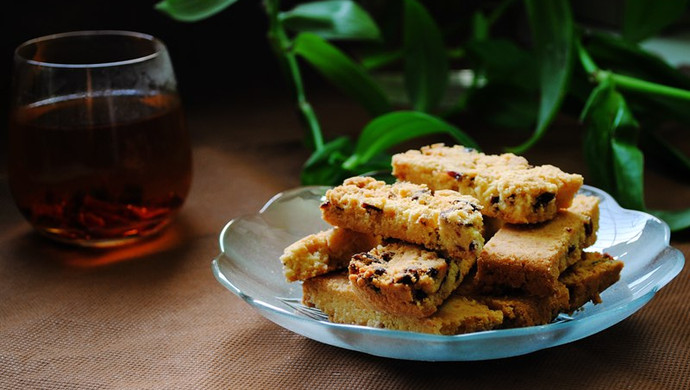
column 224, row 57
column 212, row 58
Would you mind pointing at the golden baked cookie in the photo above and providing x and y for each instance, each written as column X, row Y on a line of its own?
column 506, row 186
column 587, row 278
column 580, row 283
column 323, row 252
column 532, row 257
column 405, row 279
column 520, row 310
column 443, row 221
column 334, row 295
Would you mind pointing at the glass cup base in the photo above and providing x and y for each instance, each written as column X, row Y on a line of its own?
column 65, row 237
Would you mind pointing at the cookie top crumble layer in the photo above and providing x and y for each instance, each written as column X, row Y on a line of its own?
column 442, row 220
column 506, row 186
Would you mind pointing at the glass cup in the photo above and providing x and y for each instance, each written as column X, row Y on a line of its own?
column 99, row 153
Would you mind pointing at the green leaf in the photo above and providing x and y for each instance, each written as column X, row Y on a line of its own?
column 595, row 98
column 676, row 220
column 342, row 72
column 192, row 10
column 426, row 61
column 645, row 18
column 628, row 164
column 324, row 165
column 598, row 117
column 378, row 166
column 335, row 19
column 552, row 27
column 379, row 59
column 615, row 162
column 396, row 127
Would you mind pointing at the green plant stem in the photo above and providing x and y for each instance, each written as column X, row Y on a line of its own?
column 281, row 45
column 635, row 84
column 626, row 82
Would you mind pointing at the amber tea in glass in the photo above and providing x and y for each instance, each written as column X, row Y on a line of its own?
column 99, row 152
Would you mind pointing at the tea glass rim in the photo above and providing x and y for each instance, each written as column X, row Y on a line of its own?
column 157, row 48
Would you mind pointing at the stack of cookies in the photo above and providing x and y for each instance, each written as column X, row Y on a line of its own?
column 462, row 242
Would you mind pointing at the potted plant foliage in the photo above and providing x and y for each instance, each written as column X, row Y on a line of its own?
column 620, row 91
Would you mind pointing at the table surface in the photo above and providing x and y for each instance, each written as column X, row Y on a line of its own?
column 152, row 316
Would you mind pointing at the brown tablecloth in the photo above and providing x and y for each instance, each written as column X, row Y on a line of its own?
column 152, row 316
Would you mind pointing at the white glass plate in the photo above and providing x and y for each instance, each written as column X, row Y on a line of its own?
column 249, row 266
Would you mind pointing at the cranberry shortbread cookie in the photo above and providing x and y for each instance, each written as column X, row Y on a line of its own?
column 532, row 257
column 580, row 283
column 506, row 185
column 443, row 221
column 522, row 310
column 405, row 279
column 334, row 295
column 587, row 278
column 323, row 252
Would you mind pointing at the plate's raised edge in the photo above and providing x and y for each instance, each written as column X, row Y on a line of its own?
column 677, row 267
column 291, row 192
column 223, row 280
column 679, row 258
column 618, row 208
column 220, row 277
column 222, row 234
column 281, row 195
